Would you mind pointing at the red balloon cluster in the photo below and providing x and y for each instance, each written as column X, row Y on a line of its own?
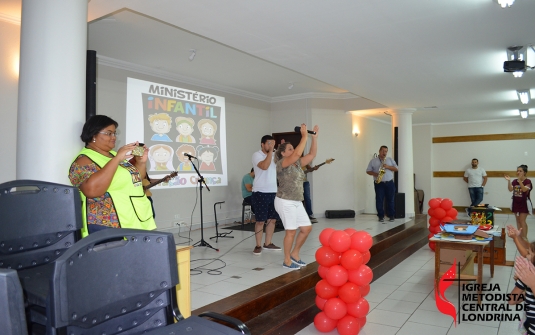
column 345, row 282
column 440, row 211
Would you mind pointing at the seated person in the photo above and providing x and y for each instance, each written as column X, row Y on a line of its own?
column 247, row 188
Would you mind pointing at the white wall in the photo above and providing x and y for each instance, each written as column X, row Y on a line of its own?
column 492, row 156
column 9, row 44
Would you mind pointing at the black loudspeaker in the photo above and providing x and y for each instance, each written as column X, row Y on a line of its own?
column 339, row 214
column 91, row 84
column 399, row 204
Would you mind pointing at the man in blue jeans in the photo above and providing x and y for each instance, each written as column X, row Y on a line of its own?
column 476, row 177
column 385, row 188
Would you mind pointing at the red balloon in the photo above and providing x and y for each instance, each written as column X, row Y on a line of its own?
column 439, row 213
column 349, row 293
column 326, row 290
column 446, row 204
column 364, row 290
column 446, row 219
column 434, row 203
column 323, row 323
column 351, row 259
column 361, row 241
column 325, row 235
column 366, row 257
column 337, row 275
column 362, row 276
column 432, row 246
column 434, row 221
column 335, row 308
column 320, row 302
column 322, row 271
column 428, row 236
column 362, row 322
column 348, row 325
column 359, row 309
column 452, row 213
column 431, row 212
column 434, row 229
column 350, row 231
column 339, row 241
column 327, row 257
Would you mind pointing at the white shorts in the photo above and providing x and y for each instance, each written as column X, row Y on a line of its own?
column 292, row 213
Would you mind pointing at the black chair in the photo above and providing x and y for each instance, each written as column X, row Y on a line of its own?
column 39, row 222
column 12, row 317
column 122, row 281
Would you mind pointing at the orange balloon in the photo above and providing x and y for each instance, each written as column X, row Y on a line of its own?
column 361, row 241
column 325, row 235
column 351, row 259
column 434, row 203
column 323, row 323
column 439, row 213
column 446, row 204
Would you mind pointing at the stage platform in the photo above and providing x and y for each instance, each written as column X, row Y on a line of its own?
column 289, row 298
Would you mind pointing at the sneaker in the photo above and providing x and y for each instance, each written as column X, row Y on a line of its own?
column 292, row 266
column 313, row 219
column 257, row 251
column 381, row 220
column 391, row 220
column 271, row 246
column 299, row 262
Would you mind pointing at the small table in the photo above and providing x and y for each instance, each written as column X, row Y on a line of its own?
column 475, row 246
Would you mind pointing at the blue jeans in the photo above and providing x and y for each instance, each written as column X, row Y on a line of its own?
column 476, row 195
column 385, row 190
column 308, row 200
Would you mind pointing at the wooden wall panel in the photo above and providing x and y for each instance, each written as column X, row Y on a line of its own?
column 489, row 137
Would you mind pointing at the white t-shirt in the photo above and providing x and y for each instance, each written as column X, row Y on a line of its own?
column 265, row 181
column 475, row 176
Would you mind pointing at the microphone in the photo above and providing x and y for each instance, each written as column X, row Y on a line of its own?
column 298, row 130
column 189, row 156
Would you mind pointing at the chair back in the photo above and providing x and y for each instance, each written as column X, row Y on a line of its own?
column 39, row 221
column 12, row 317
column 115, row 281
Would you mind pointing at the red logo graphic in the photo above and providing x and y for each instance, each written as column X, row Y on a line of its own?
column 443, row 304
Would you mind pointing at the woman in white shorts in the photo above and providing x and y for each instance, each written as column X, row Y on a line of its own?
column 288, row 202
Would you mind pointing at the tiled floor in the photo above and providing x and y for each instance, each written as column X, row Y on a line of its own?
column 401, row 302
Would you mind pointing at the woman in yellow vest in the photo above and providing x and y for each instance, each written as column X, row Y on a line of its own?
column 110, row 186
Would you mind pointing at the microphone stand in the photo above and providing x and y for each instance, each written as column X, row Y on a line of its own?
column 202, row 242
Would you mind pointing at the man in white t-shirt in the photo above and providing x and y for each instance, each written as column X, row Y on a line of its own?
column 264, row 191
column 476, row 178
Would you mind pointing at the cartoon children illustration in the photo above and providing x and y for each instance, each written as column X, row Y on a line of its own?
column 208, row 155
column 185, row 164
column 160, row 124
column 161, row 157
column 208, row 128
column 184, row 126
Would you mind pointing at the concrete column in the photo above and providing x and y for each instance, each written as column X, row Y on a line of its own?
column 51, row 101
column 402, row 118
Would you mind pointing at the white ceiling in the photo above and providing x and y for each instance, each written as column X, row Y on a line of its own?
column 396, row 54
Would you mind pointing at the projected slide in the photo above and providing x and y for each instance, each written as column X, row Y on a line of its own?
column 174, row 121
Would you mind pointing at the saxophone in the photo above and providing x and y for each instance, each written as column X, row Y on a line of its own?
column 381, row 172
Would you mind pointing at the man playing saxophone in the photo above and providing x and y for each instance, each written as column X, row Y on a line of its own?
column 382, row 169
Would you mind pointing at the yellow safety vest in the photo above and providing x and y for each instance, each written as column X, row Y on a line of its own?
column 126, row 191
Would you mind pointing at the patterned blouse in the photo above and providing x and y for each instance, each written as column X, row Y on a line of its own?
column 100, row 210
